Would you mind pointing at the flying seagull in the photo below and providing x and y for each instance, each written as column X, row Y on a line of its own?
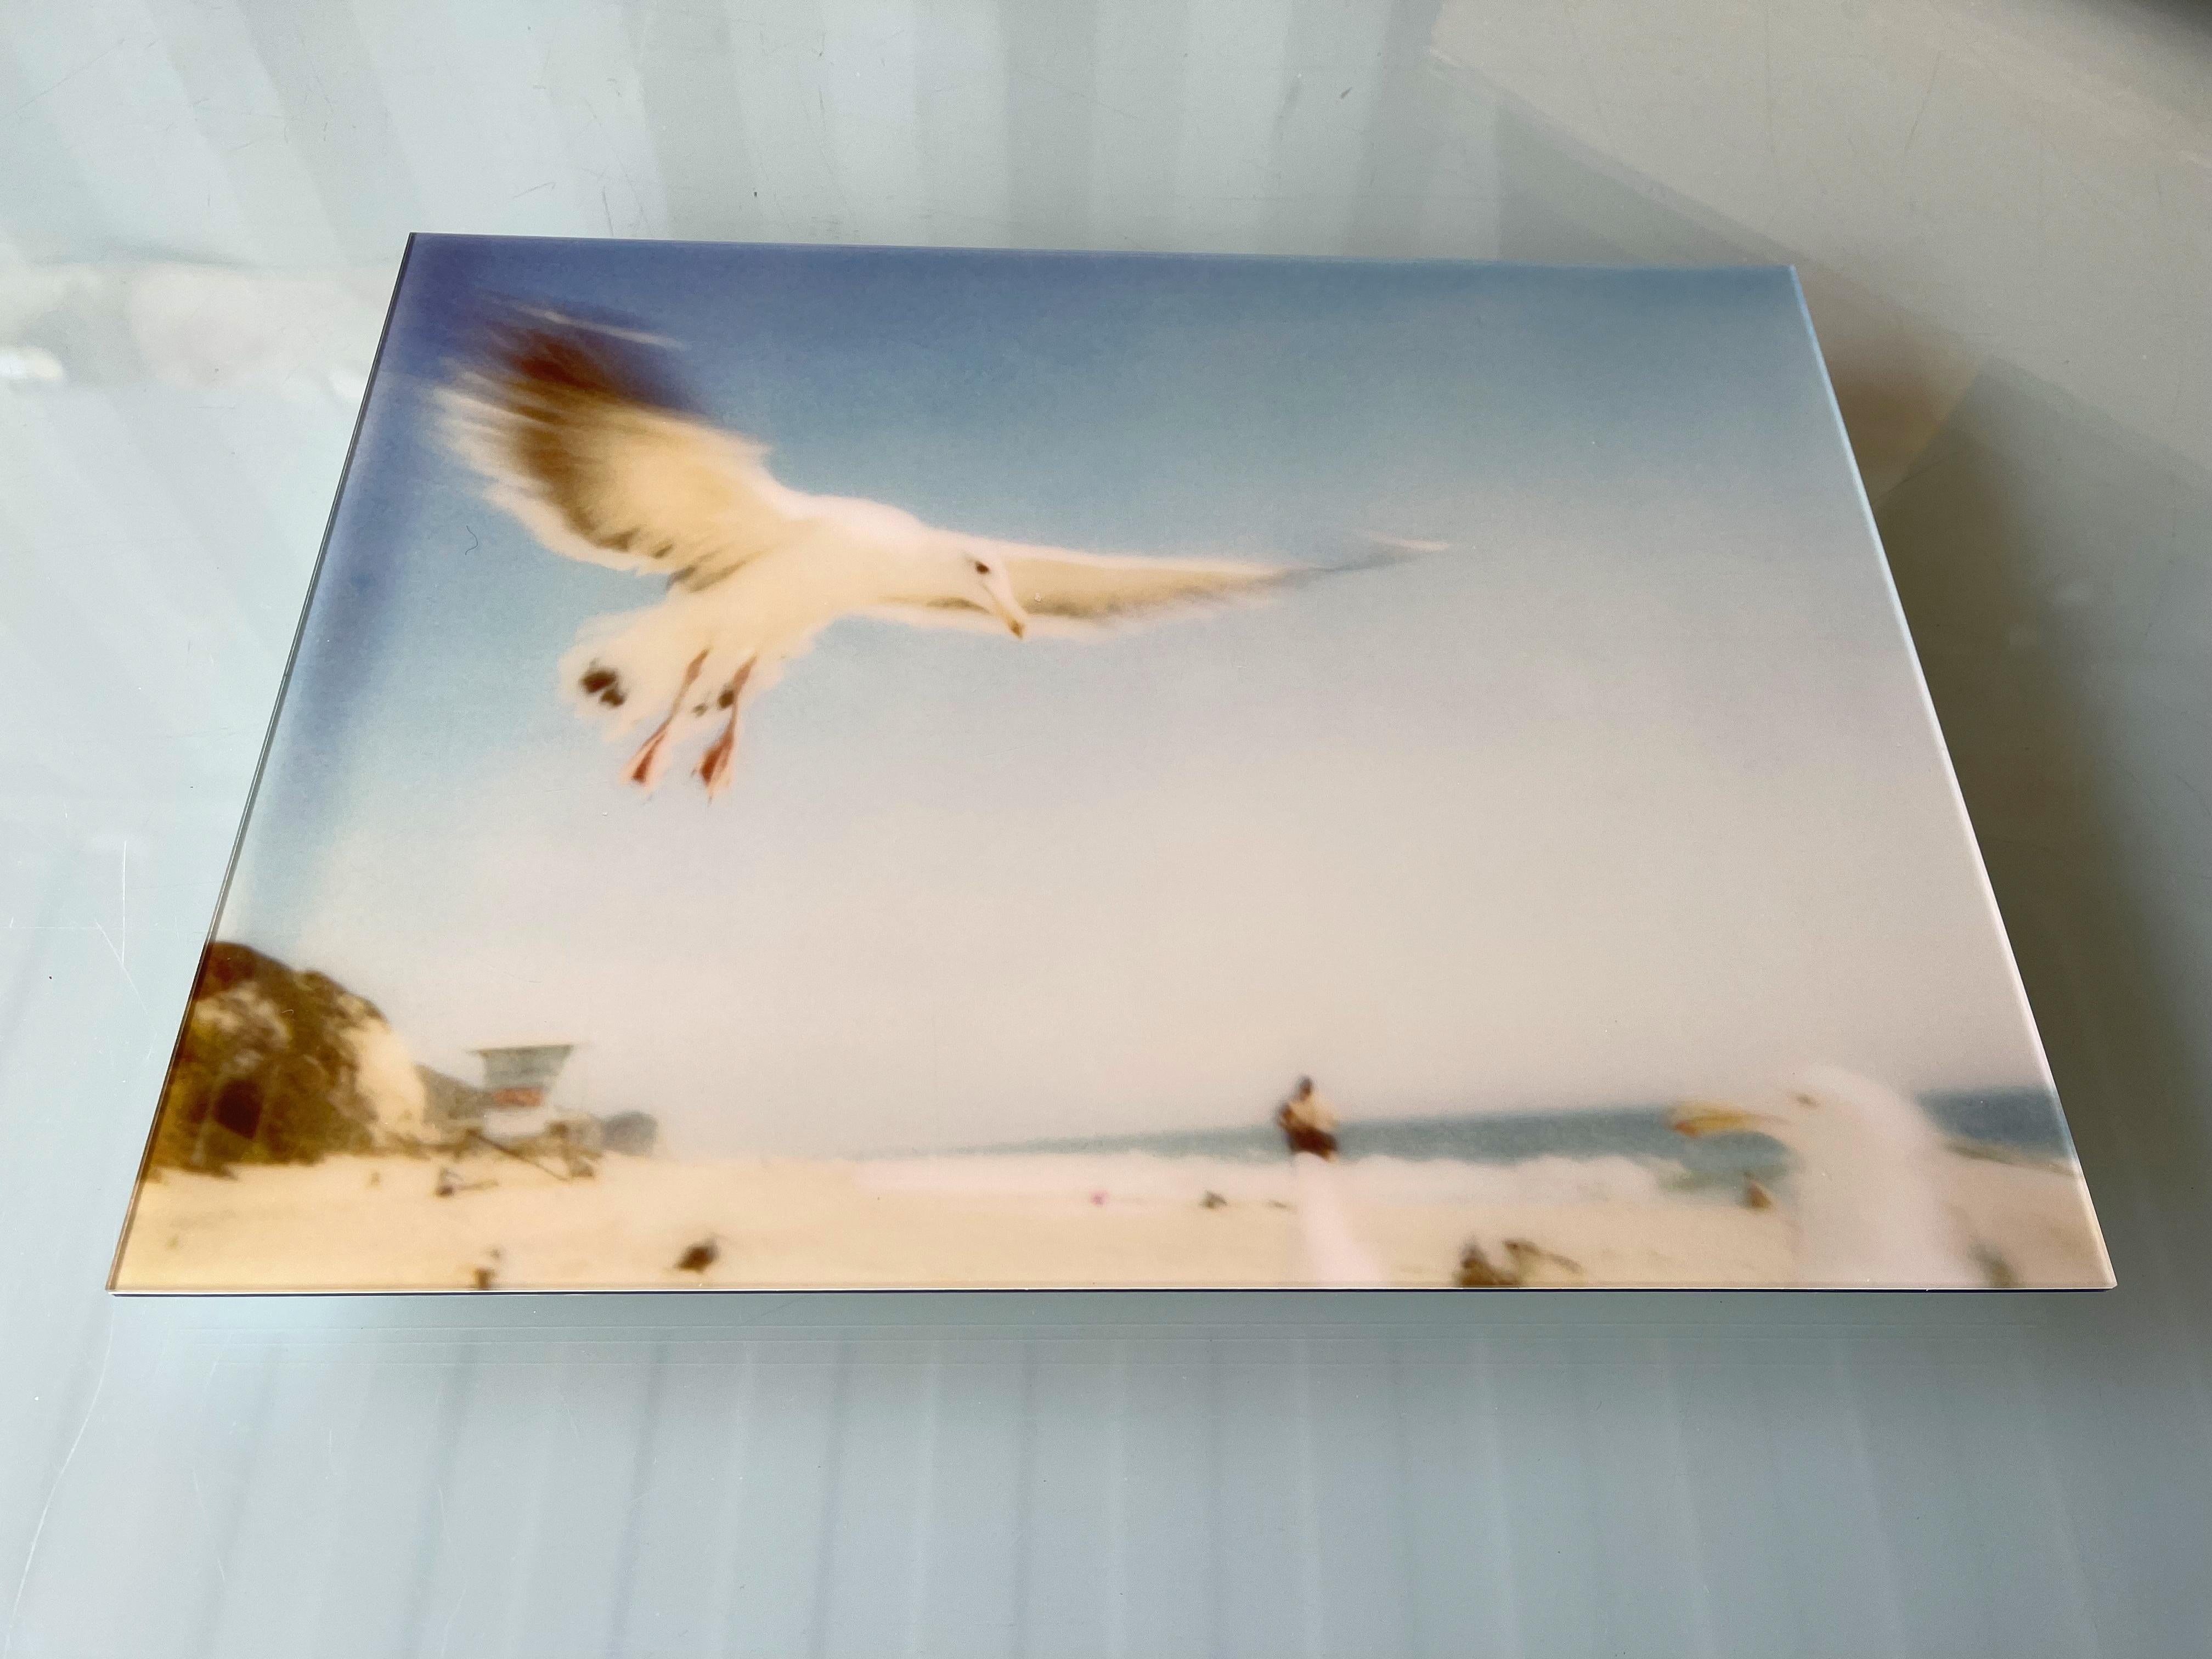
column 577, row 432
column 1867, row 1199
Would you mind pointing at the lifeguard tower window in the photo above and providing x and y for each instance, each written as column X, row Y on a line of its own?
column 522, row 1077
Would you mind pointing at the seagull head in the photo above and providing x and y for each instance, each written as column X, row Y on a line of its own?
column 1869, row 1202
column 1821, row 1111
column 987, row 583
column 1792, row 1117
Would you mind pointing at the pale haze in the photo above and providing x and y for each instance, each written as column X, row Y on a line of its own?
column 1631, row 793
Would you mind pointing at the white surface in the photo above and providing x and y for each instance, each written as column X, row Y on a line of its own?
column 2002, row 216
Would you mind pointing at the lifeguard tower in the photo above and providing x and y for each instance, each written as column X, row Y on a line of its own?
column 520, row 1081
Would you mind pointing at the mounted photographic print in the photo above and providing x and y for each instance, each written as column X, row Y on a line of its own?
column 856, row 767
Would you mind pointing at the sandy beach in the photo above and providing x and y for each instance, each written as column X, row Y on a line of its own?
column 378, row 1223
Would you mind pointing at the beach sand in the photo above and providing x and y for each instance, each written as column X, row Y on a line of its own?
column 376, row 1223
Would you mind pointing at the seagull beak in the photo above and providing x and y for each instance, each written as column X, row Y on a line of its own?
column 1696, row 1118
column 1000, row 591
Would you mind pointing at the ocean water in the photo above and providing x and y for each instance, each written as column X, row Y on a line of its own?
column 2012, row 1123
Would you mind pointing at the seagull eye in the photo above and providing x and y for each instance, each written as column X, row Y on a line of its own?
column 981, row 570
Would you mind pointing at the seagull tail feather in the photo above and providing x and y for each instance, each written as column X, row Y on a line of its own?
column 1368, row 550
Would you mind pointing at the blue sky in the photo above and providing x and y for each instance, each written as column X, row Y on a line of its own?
column 1631, row 793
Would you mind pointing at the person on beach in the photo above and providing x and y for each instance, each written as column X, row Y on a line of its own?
column 1334, row 1253
column 1306, row 1122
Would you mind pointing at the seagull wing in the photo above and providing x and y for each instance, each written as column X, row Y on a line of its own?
column 1066, row 592
column 1091, row 590
column 575, row 436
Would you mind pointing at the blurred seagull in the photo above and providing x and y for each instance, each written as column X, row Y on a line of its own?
column 1867, row 1198
column 1477, row 1272
column 579, row 436
column 1527, row 1263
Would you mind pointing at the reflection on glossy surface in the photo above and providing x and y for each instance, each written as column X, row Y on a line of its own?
column 2003, row 221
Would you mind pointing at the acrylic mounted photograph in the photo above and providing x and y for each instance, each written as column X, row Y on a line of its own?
column 857, row 767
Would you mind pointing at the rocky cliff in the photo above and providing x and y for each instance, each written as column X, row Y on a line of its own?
column 281, row 1067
